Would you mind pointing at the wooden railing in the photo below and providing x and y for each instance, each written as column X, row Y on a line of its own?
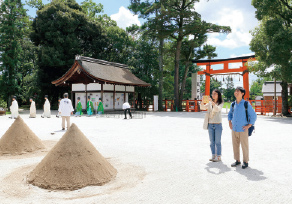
column 260, row 106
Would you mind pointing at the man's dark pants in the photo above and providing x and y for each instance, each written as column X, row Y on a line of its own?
column 129, row 111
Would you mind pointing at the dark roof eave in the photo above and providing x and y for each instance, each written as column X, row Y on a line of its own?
column 219, row 60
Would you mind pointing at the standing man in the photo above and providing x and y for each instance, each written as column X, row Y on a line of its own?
column 90, row 107
column 47, row 108
column 100, row 109
column 32, row 109
column 239, row 125
column 78, row 108
column 14, row 108
column 127, row 107
column 65, row 110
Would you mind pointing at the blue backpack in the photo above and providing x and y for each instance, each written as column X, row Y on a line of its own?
column 252, row 128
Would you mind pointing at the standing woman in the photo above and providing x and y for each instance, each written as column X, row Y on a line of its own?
column 213, row 122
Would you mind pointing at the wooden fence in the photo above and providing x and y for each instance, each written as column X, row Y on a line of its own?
column 262, row 107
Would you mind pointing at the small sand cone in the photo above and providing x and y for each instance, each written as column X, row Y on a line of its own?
column 73, row 163
column 19, row 138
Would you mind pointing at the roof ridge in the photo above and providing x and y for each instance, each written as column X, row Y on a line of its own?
column 99, row 61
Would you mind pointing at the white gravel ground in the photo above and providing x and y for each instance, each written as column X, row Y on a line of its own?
column 161, row 159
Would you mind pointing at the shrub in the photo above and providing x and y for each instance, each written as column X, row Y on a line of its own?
column 3, row 104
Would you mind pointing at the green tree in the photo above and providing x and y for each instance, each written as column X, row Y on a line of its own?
column 14, row 21
column 213, row 85
column 192, row 49
column 62, row 30
column 256, row 88
column 272, row 41
column 181, row 20
column 91, row 8
column 144, row 64
column 229, row 91
column 152, row 11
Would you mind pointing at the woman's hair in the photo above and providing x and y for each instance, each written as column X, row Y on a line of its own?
column 220, row 100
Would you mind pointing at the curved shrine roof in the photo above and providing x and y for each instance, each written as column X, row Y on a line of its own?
column 88, row 70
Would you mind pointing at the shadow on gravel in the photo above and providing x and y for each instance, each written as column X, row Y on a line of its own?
column 60, row 131
column 251, row 174
column 181, row 114
column 217, row 168
column 280, row 120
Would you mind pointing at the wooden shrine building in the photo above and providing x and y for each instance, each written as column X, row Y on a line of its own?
column 226, row 70
column 112, row 82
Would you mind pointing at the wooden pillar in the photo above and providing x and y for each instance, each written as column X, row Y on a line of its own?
column 86, row 96
column 101, row 92
column 208, row 78
column 125, row 95
column 246, row 82
column 114, row 98
column 72, row 93
column 134, row 97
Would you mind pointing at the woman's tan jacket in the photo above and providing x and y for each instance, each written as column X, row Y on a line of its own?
column 213, row 114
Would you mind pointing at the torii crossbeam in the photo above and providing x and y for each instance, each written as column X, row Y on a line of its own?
column 208, row 72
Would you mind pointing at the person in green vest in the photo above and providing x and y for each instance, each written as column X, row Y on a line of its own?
column 78, row 108
column 100, row 107
column 90, row 107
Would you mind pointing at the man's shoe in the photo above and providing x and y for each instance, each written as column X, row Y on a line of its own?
column 235, row 163
column 245, row 165
column 125, row 118
column 63, row 128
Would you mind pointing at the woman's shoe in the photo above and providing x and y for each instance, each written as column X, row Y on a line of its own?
column 217, row 159
column 213, row 157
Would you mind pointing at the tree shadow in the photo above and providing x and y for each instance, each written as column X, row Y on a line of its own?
column 182, row 114
column 284, row 120
column 251, row 174
column 217, row 168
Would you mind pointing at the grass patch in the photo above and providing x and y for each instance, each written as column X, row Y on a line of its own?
column 228, row 104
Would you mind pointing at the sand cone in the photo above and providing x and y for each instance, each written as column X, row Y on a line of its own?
column 73, row 163
column 19, row 138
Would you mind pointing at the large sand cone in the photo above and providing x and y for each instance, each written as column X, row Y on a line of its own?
column 19, row 138
column 73, row 163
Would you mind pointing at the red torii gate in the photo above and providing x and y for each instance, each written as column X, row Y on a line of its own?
column 209, row 72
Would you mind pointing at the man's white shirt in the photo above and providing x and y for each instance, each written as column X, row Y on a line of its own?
column 66, row 107
column 126, row 105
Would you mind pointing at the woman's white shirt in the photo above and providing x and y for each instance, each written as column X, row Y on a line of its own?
column 214, row 112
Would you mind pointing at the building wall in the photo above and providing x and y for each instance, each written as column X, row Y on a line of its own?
column 108, row 99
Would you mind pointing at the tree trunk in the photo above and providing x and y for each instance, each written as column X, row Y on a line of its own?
column 160, row 97
column 285, row 107
column 183, row 85
column 176, row 74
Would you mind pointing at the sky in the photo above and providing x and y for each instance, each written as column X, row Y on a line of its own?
column 238, row 14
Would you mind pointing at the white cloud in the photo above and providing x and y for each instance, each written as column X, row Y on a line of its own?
column 242, row 55
column 237, row 14
column 125, row 18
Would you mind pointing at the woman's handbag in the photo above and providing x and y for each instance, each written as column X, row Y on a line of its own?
column 206, row 121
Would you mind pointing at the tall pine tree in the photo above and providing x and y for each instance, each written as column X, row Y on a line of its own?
column 14, row 21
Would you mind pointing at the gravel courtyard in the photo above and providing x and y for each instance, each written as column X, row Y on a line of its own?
column 163, row 159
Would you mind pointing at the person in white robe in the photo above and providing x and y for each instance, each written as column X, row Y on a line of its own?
column 14, row 108
column 32, row 109
column 58, row 115
column 47, row 108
